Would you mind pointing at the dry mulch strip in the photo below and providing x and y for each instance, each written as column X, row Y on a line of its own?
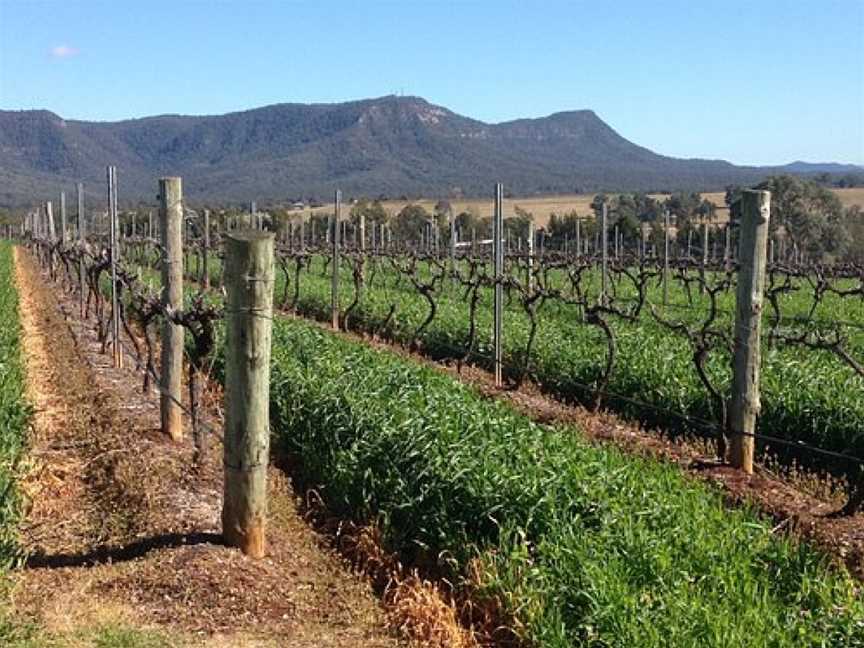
column 121, row 523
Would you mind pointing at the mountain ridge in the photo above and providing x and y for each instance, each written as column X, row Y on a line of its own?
column 389, row 145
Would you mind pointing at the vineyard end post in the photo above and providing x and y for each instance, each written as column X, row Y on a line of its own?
column 334, row 276
column 498, row 251
column 249, row 263
column 171, row 228
column 205, row 269
column 744, row 405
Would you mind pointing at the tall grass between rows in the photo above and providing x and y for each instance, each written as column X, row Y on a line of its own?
column 580, row 545
column 808, row 396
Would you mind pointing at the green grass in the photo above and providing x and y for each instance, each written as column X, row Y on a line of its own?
column 806, row 395
column 14, row 410
column 15, row 634
column 583, row 545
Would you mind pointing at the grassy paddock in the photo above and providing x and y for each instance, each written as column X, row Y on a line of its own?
column 542, row 207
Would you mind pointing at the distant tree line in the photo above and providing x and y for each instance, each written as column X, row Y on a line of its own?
column 805, row 215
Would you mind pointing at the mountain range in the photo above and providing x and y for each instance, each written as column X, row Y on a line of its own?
column 390, row 146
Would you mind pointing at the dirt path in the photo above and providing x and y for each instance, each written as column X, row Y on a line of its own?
column 122, row 533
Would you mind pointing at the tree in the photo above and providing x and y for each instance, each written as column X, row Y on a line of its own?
column 597, row 203
column 410, row 223
column 466, row 221
column 854, row 222
column 685, row 209
column 733, row 202
column 443, row 208
column 373, row 212
column 519, row 224
column 808, row 215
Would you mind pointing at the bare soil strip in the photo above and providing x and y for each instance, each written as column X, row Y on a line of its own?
column 120, row 528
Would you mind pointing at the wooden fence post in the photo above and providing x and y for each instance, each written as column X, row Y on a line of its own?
column 604, row 236
column 666, row 258
column 453, row 248
column 578, row 237
column 702, row 269
column 63, row 238
column 531, row 235
column 82, row 237
column 498, row 252
column 117, row 351
column 363, row 245
column 171, row 227
column 206, row 265
column 744, row 405
column 249, row 270
column 52, row 230
column 334, row 276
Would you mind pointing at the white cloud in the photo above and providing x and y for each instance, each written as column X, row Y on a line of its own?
column 64, row 51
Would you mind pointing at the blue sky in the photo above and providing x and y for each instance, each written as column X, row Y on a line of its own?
column 753, row 82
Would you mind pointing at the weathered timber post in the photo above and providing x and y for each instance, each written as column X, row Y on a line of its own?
column 249, row 271
column 531, row 235
column 363, row 244
column 49, row 212
column 498, row 251
column 604, row 230
column 642, row 242
column 453, row 248
column 666, row 258
column 744, row 405
column 334, row 276
column 82, row 237
column 63, row 236
column 578, row 237
column 116, row 351
column 704, row 255
column 206, row 263
column 171, row 226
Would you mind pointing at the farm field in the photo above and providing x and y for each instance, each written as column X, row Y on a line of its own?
column 561, row 541
column 542, row 207
column 506, row 337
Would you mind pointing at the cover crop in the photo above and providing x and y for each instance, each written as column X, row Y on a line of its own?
column 582, row 545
